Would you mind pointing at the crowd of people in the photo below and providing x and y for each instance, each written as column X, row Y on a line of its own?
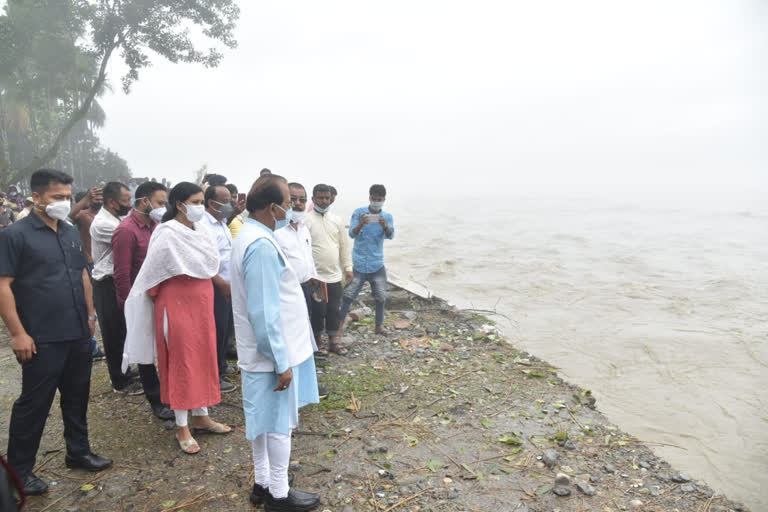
column 181, row 281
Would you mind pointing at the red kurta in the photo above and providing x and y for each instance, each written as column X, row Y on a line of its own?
column 187, row 363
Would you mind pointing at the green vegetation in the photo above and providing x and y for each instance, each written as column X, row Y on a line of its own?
column 53, row 69
column 346, row 390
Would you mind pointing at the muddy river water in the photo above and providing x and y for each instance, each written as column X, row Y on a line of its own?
column 661, row 311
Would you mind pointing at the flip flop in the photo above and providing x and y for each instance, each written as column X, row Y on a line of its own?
column 189, row 446
column 216, row 428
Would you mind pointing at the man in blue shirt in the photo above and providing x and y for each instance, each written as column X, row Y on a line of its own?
column 369, row 226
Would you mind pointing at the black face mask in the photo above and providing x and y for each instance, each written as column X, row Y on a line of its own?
column 96, row 206
column 123, row 211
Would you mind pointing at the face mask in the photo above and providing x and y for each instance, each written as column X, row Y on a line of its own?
column 225, row 210
column 58, row 209
column 194, row 212
column 156, row 214
column 318, row 209
column 297, row 217
column 123, row 211
column 376, row 206
column 279, row 224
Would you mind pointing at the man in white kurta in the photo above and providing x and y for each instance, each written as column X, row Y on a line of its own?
column 274, row 345
column 296, row 242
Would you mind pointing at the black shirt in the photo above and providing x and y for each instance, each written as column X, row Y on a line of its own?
column 47, row 267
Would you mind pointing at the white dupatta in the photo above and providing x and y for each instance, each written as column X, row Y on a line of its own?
column 173, row 250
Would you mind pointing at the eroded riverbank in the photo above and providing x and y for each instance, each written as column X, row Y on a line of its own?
column 442, row 415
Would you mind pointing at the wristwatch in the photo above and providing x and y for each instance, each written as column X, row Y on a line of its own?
column 91, row 318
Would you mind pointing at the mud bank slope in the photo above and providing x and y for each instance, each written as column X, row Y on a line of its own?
column 443, row 414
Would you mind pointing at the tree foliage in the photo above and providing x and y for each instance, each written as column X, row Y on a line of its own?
column 53, row 68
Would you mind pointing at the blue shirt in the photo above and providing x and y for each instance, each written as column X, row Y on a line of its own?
column 262, row 269
column 368, row 253
column 47, row 270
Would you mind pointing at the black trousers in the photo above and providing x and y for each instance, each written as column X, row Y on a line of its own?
column 225, row 326
column 325, row 317
column 307, row 289
column 112, row 325
column 65, row 366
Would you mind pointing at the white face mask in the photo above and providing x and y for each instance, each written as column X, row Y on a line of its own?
column 298, row 217
column 156, row 214
column 376, row 206
column 58, row 209
column 194, row 212
column 318, row 209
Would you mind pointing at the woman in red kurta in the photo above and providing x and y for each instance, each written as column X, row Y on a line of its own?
column 186, row 343
column 185, row 329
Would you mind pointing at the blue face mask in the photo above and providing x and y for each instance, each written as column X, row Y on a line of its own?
column 279, row 224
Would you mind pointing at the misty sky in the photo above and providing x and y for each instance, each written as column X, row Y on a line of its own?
column 530, row 94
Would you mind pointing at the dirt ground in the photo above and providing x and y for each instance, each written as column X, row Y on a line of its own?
column 442, row 415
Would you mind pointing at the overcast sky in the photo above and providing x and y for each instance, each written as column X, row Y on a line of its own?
column 531, row 94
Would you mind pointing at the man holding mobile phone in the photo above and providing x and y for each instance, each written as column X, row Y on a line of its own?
column 369, row 226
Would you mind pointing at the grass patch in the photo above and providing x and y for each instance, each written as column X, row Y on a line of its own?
column 362, row 385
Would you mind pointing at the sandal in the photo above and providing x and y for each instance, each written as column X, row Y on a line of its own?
column 322, row 350
column 189, row 446
column 216, row 428
column 335, row 346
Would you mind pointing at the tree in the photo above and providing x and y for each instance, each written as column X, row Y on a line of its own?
column 96, row 30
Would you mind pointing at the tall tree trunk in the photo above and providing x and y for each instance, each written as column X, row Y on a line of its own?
column 77, row 115
column 5, row 152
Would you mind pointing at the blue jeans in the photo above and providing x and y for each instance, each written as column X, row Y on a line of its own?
column 378, row 282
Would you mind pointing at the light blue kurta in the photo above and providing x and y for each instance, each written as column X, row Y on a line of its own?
column 268, row 411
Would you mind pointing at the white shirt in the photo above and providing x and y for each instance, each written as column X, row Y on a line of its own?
column 223, row 241
column 102, row 229
column 330, row 246
column 297, row 246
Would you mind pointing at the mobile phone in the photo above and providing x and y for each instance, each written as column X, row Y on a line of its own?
column 372, row 218
column 240, row 197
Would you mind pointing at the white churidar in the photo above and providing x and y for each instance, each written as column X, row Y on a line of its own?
column 271, row 457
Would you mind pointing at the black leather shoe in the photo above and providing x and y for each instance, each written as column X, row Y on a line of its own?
column 296, row 501
column 91, row 462
column 259, row 493
column 163, row 412
column 33, row 486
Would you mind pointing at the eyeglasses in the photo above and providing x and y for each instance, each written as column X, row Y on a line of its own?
column 285, row 209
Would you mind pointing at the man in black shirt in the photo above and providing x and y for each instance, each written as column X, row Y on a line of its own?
column 47, row 304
